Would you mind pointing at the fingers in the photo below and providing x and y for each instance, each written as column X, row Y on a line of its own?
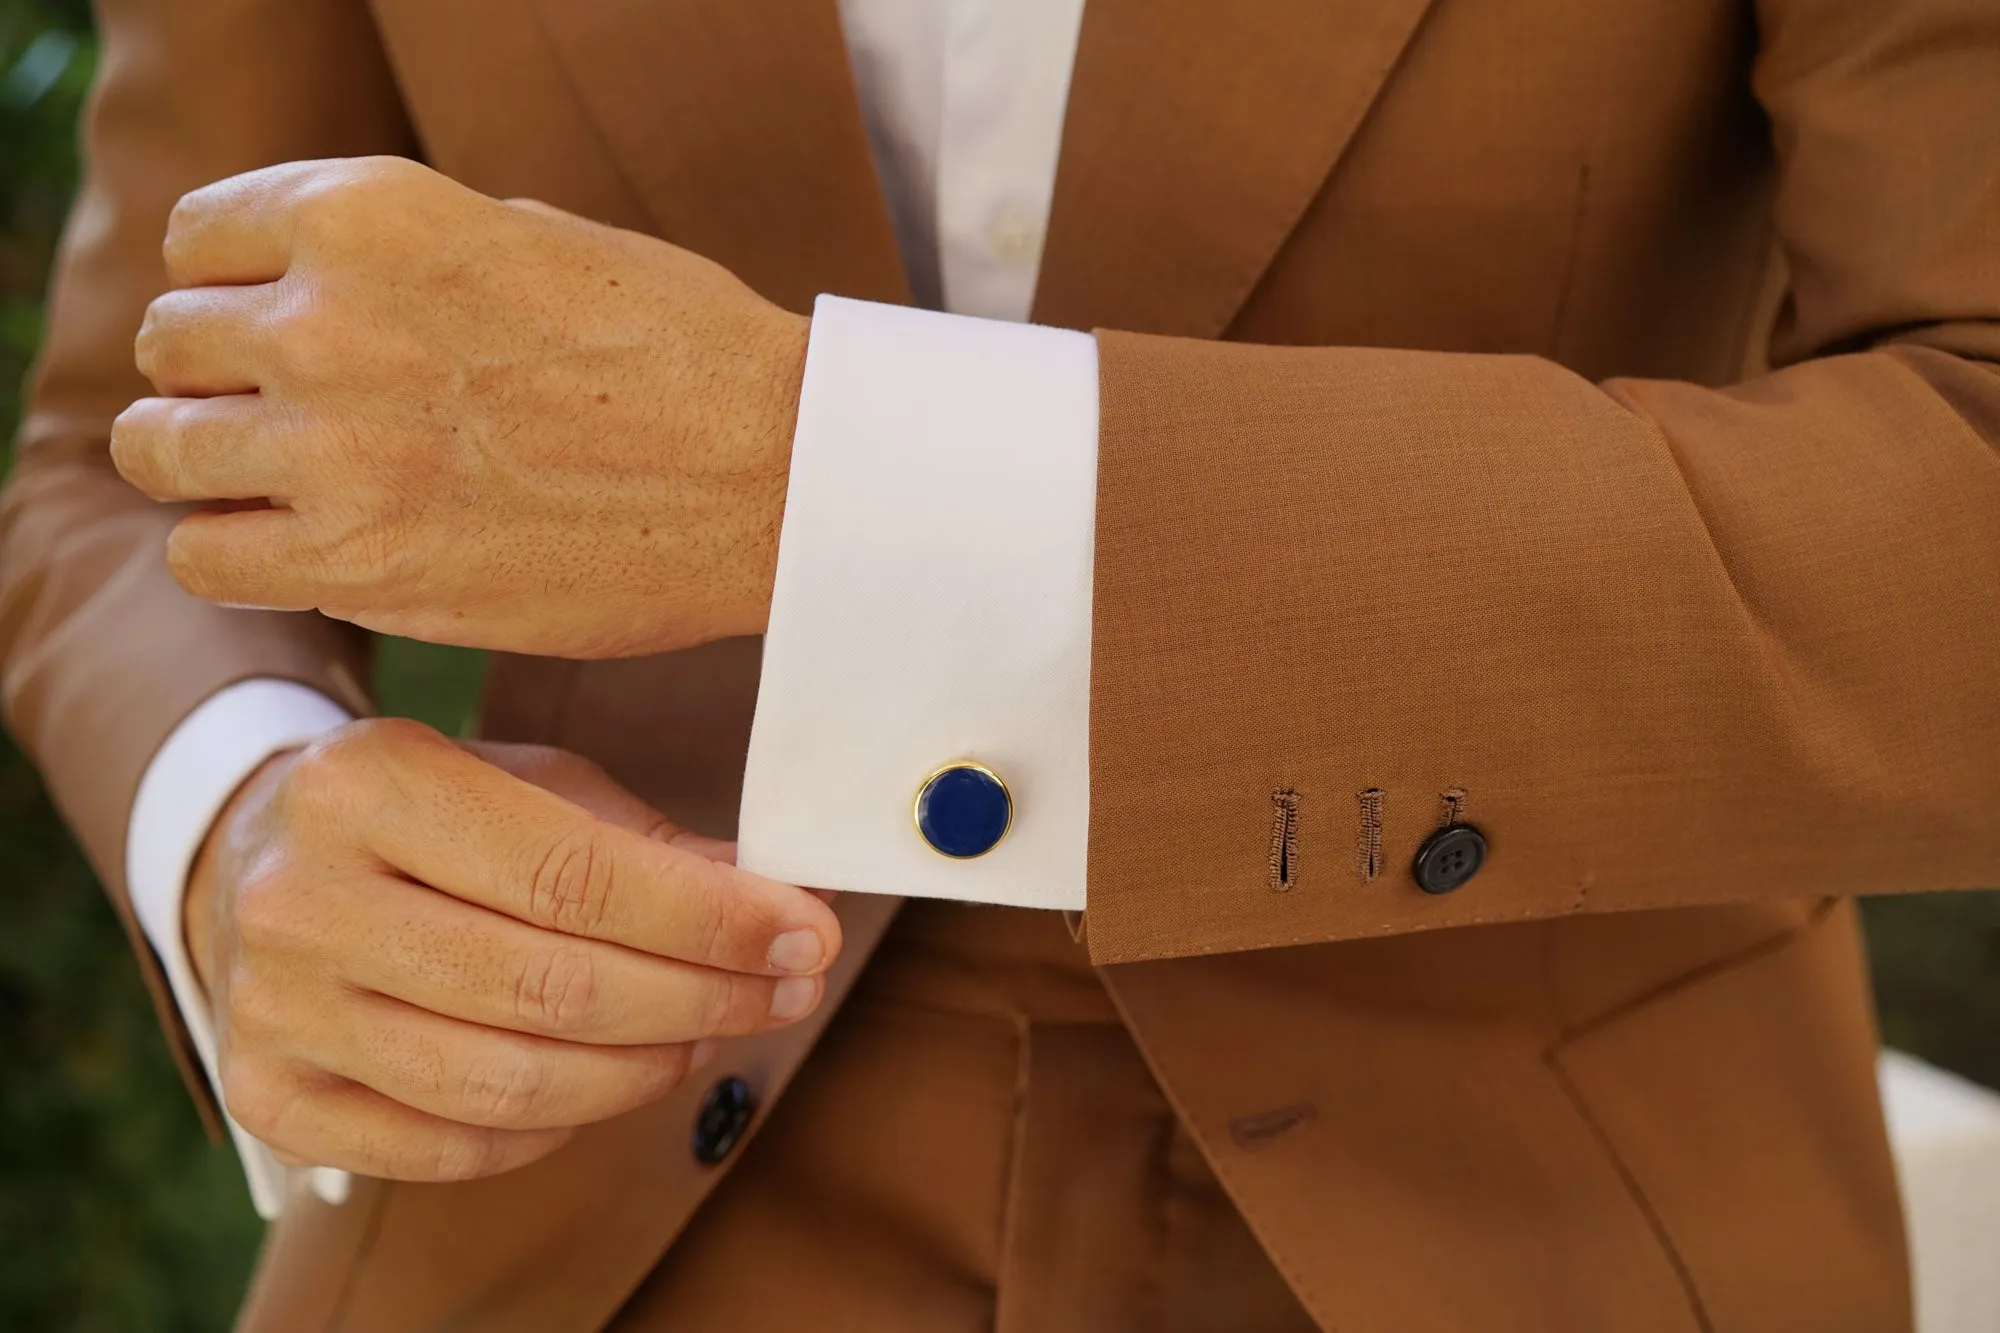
column 321, row 1120
column 237, row 230
column 226, row 448
column 583, row 783
column 474, row 1075
column 249, row 228
column 241, row 230
column 493, row 840
column 204, row 341
column 418, row 946
column 576, row 780
column 245, row 557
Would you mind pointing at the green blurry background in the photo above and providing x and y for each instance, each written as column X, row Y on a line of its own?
column 115, row 1214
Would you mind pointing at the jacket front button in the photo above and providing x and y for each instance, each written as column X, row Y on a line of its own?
column 725, row 1113
column 1449, row 857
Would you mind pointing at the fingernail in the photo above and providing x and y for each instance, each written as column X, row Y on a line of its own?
column 792, row 997
column 703, row 1052
column 796, row 951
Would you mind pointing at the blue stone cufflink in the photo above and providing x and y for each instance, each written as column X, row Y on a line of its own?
column 963, row 810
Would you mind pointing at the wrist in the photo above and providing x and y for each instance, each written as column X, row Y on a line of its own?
column 230, row 841
column 783, row 377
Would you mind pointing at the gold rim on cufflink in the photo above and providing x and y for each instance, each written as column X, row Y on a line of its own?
column 917, row 807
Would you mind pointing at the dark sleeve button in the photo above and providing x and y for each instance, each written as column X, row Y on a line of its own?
column 1449, row 857
column 725, row 1113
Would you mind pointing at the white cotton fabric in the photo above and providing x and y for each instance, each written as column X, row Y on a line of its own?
column 932, row 606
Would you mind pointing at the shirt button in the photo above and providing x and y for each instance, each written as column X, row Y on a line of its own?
column 1449, row 858
column 725, row 1113
column 1013, row 237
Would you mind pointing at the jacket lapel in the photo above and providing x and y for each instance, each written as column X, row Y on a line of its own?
column 737, row 125
column 1194, row 140
column 1196, row 136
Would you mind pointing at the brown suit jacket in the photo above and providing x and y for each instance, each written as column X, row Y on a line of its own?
column 1415, row 479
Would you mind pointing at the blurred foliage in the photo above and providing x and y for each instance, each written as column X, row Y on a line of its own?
column 115, row 1214
column 1936, row 963
column 46, row 59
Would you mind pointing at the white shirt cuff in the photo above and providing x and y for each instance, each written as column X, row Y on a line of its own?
column 191, row 777
column 932, row 606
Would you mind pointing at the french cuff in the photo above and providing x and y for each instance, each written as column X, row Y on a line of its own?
column 923, row 717
column 191, row 777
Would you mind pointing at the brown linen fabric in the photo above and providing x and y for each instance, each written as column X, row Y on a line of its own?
column 1417, row 475
column 975, row 1145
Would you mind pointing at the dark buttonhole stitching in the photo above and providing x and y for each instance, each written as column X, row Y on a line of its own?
column 1284, row 840
column 1252, row 1131
column 1454, row 805
column 1368, row 850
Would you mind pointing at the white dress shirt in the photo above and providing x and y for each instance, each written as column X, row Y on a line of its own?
column 934, row 571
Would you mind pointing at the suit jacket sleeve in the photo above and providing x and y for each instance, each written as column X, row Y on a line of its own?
column 101, row 653
column 1663, row 644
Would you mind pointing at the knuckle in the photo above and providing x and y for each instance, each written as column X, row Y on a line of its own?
column 146, row 346
column 672, row 1067
column 715, row 923
column 654, row 1074
column 324, row 771
column 136, row 442
column 724, row 1005
column 181, row 227
column 349, row 757
column 387, row 169
column 254, row 1009
column 306, row 338
column 379, row 739
column 463, row 1154
column 326, row 200
column 569, row 882
column 365, row 550
column 508, row 1090
column 174, row 433
column 394, row 732
column 266, row 911
column 344, row 198
column 557, row 991
column 191, row 566
column 178, row 215
column 254, row 1098
column 737, row 928
column 344, row 778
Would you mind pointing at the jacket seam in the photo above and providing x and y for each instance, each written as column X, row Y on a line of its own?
column 1112, row 955
column 1654, row 1222
column 1685, row 981
column 1714, row 967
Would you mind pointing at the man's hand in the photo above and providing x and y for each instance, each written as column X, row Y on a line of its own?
column 461, row 420
column 423, row 967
